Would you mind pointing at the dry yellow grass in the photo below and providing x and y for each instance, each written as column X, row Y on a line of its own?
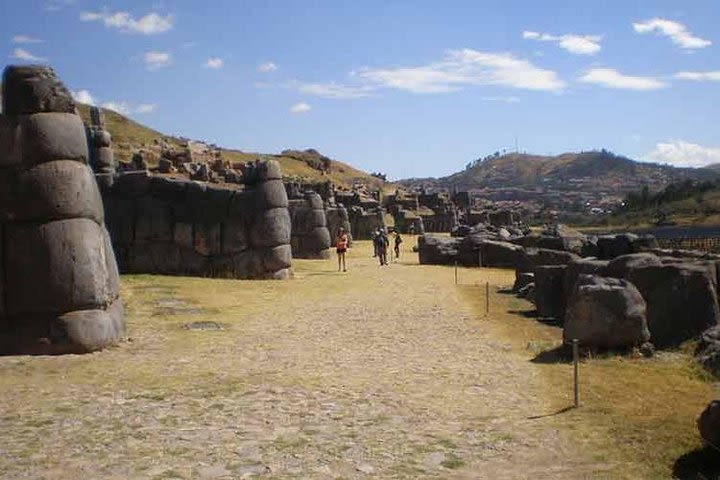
column 393, row 372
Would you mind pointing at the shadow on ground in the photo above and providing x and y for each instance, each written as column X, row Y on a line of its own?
column 559, row 354
column 702, row 463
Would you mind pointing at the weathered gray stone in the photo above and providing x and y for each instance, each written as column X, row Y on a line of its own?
column 709, row 424
column 56, row 191
column 32, row 89
column 56, row 267
column 52, row 136
column 605, row 313
column 549, row 293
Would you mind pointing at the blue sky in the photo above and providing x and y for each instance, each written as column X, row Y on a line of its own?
column 411, row 88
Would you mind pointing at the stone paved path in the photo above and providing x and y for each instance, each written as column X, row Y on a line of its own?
column 379, row 372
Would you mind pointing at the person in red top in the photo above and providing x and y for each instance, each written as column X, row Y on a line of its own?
column 341, row 245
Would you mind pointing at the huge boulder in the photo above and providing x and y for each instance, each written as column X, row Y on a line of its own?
column 611, row 246
column 500, row 254
column 619, row 267
column 605, row 313
column 707, row 352
column 581, row 266
column 681, row 300
column 709, row 424
column 549, row 293
column 535, row 257
column 438, row 250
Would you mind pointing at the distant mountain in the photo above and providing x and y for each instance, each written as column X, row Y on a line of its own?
column 586, row 171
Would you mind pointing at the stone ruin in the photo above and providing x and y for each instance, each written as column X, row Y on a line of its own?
column 59, row 284
column 100, row 149
column 310, row 236
column 176, row 226
column 422, row 211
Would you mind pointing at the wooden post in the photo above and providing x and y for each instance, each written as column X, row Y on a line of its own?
column 487, row 298
column 576, row 368
column 456, row 273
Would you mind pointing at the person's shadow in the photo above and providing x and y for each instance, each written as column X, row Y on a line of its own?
column 699, row 464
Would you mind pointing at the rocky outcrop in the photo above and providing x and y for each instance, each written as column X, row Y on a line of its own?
column 611, row 246
column 681, row 300
column 309, row 237
column 709, row 424
column 182, row 227
column 337, row 217
column 605, row 313
column 549, row 293
column 59, row 284
column 438, row 250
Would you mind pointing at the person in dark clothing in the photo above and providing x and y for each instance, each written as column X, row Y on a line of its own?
column 398, row 241
column 381, row 245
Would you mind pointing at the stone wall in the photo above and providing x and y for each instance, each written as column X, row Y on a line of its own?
column 364, row 222
column 310, row 237
column 174, row 226
column 337, row 216
column 59, row 284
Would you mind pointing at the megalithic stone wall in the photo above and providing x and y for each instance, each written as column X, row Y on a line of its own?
column 101, row 153
column 337, row 216
column 59, row 285
column 310, row 236
column 173, row 226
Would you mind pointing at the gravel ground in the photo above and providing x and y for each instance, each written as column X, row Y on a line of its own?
column 378, row 372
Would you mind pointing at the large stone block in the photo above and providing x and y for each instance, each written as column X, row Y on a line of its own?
column 32, row 89
column 271, row 228
column 235, row 236
column 10, row 142
column 605, row 313
column 52, row 136
column 549, row 293
column 277, row 258
column 55, row 191
column 681, row 301
column 207, row 238
column 56, row 267
column 153, row 222
column 271, row 194
column 90, row 330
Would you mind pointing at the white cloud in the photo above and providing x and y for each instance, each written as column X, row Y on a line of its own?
column 150, row 24
column 126, row 108
column 502, row 99
column 467, row 67
column 83, row 96
column 300, row 107
column 146, row 108
column 577, row 44
column 611, row 78
column 154, row 60
column 267, row 67
column 22, row 54
column 214, row 62
column 684, row 154
column 699, row 76
column 25, row 39
column 119, row 107
column 332, row 90
column 55, row 5
column 678, row 33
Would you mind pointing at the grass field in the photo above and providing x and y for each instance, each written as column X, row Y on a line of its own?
column 393, row 372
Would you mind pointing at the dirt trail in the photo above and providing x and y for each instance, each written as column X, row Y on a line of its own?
column 386, row 372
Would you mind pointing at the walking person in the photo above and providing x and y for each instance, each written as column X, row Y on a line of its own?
column 398, row 241
column 382, row 242
column 374, row 237
column 341, row 245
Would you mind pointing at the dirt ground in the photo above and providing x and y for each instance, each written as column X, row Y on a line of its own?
column 388, row 372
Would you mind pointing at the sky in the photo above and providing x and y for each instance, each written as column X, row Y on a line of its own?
column 408, row 88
